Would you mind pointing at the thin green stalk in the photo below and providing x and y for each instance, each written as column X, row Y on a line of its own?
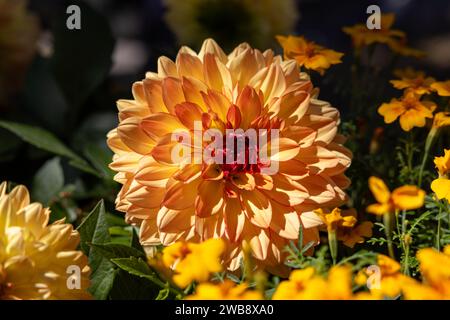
column 438, row 233
column 388, row 221
column 428, row 144
column 332, row 242
column 405, row 244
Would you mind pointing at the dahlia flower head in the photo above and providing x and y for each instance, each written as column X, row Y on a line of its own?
column 38, row 260
column 180, row 200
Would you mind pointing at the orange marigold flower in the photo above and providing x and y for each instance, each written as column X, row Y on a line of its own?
column 226, row 290
column 309, row 54
column 334, row 219
column 395, row 39
column 412, row 111
column 173, row 200
column 37, row 258
column 407, row 197
column 414, row 80
column 441, row 119
column 441, row 185
column 351, row 235
column 192, row 261
column 442, row 88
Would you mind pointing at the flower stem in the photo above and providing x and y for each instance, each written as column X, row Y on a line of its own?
column 438, row 233
column 388, row 221
column 332, row 242
column 428, row 144
column 405, row 244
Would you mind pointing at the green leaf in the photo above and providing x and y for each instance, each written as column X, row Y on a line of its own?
column 48, row 181
column 94, row 229
column 129, row 287
column 100, row 159
column 115, row 250
column 105, row 277
column 47, row 141
column 163, row 294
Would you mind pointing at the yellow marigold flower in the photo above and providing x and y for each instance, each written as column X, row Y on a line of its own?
column 391, row 280
column 306, row 285
column 394, row 39
column 17, row 44
column 173, row 200
column 441, row 185
column 414, row 80
column 407, row 197
column 226, row 290
column 193, row 261
column 334, row 219
column 35, row 256
column 412, row 111
column 435, row 270
column 442, row 88
column 441, row 119
column 230, row 22
column 352, row 236
column 309, row 54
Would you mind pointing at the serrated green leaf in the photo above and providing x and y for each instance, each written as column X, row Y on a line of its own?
column 114, row 250
column 47, row 141
column 48, row 181
column 104, row 281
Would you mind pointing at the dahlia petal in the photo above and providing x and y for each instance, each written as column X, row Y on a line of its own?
column 132, row 135
column 259, row 242
column 166, row 67
column 192, row 90
column 154, row 95
column 172, row 221
column 160, row 124
column 287, row 149
column 234, row 218
column 153, row 174
column 216, row 74
column 181, row 195
column 130, row 108
column 257, row 208
column 126, row 162
column 286, row 191
column 243, row 181
column 249, row 104
column 172, row 93
column 188, row 65
column 139, row 196
column 217, row 103
column 211, row 47
column 139, row 93
column 291, row 106
column 188, row 173
column 310, row 219
column 210, row 198
column 188, row 113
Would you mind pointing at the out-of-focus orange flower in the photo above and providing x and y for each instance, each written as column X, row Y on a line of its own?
column 411, row 110
column 173, row 200
column 442, row 88
column 193, row 261
column 226, row 290
column 407, row 197
column 435, row 270
column 441, row 185
column 18, row 37
column 38, row 260
column 309, row 54
column 395, row 39
column 414, row 80
column 441, row 119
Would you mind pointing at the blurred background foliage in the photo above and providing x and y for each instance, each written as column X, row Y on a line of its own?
column 58, row 87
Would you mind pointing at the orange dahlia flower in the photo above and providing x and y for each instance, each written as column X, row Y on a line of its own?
column 173, row 199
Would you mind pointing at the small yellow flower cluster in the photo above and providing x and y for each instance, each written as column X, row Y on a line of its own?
column 411, row 109
column 193, row 261
column 226, row 290
column 441, row 185
column 394, row 39
column 308, row 54
column 344, row 223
